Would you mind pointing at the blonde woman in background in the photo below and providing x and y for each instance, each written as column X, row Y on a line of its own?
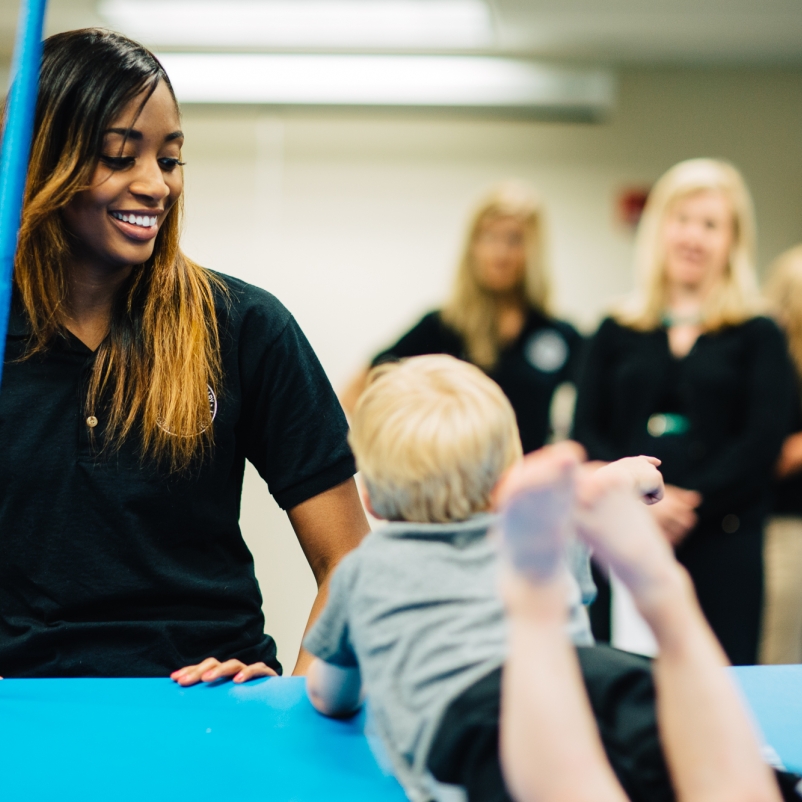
column 499, row 316
column 692, row 373
column 781, row 640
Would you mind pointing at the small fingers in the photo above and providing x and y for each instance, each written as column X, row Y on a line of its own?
column 253, row 671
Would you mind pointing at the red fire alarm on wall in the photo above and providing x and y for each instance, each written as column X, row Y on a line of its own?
column 629, row 205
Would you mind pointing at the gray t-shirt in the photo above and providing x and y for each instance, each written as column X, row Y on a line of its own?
column 417, row 608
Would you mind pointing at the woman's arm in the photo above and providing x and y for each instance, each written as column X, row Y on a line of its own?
column 731, row 476
column 328, row 526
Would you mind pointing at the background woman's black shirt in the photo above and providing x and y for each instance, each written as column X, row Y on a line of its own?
column 734, row 388
column 111, row 567
column 544, row 355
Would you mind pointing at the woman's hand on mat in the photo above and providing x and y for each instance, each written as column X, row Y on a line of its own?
column 212, row 669
column 676, row 513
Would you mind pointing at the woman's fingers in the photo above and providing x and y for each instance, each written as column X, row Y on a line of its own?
column 212, row 669
column 189, row 675
column 253, row 671
column 227, row 669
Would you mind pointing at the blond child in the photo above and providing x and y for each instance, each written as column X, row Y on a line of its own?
column 416, row 622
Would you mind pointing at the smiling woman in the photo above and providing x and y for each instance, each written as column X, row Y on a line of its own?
column 152, row 380
column 692, row 373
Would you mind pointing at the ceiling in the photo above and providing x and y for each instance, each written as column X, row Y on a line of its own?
column 679, row 32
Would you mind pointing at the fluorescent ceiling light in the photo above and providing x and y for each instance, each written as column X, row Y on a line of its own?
column 303, row 23
column 411, row 81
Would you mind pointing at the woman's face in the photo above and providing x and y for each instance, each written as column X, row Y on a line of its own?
column 499, row 254
column 137, row 181
column 698, row 235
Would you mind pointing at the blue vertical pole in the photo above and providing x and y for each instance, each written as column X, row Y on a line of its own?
column 16, row 147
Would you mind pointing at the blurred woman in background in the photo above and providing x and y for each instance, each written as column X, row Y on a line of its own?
column 690, row 372
column 499, row 316
column 781, row 640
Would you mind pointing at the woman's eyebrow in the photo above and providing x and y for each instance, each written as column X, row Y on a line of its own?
column 128, row 133
column 132, row 133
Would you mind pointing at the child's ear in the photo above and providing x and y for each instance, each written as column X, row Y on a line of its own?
column 363, row 492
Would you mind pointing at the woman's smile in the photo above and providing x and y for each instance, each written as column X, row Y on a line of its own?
column 141, row 226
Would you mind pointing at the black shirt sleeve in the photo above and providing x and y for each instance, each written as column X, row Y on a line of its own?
column 429, row 336
column 593, row 414
column 293, row 427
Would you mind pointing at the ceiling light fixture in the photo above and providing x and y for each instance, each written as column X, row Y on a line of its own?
column 303, row 24
column 405, row 81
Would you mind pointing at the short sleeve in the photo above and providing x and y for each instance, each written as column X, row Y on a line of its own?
column 428, row 336
column 294, row 429
column 329, row 637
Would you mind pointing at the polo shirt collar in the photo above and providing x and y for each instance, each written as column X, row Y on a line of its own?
column 458, row 532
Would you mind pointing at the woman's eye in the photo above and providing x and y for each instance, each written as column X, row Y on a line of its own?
column 117, row 162
column 169, row 164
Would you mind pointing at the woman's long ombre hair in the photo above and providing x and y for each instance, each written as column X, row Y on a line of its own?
column 153, row 371
column 472, row 310
column 737, row 298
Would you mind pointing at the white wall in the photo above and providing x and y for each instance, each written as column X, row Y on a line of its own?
column 354, row 220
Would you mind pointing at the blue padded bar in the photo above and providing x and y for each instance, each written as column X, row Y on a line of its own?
column 129, row 740
column 16, row 146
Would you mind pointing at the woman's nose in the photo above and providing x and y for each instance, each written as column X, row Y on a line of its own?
column 149, row 181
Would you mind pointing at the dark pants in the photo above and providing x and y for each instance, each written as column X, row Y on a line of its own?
column 465, row 750
column 619, row 685
column 727, row 572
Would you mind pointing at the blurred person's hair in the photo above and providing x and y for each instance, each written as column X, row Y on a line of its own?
column 431, row 436
column 471, row 310
column 737, row 298
column 784, row 291
column 153, row 371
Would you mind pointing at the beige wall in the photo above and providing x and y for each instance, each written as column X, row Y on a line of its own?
column 354, row 220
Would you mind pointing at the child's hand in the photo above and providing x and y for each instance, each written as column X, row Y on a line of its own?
column 638, row 473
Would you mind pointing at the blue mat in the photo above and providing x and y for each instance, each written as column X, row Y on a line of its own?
column 775, row 695
column 148, row 740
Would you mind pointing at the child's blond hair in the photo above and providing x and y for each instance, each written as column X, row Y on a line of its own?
column 432, row 435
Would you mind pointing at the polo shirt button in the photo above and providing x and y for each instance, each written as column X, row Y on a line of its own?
column 91, row 421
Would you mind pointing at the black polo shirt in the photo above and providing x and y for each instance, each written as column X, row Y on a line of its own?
column 112, row 567
column 545, row 354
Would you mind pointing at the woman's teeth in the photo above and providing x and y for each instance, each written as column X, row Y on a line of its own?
column 135, row 219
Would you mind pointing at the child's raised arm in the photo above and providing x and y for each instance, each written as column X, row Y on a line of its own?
column 334, row 691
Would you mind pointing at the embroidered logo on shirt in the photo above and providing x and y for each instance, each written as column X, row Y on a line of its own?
column 212, row 410
column 546, row 350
